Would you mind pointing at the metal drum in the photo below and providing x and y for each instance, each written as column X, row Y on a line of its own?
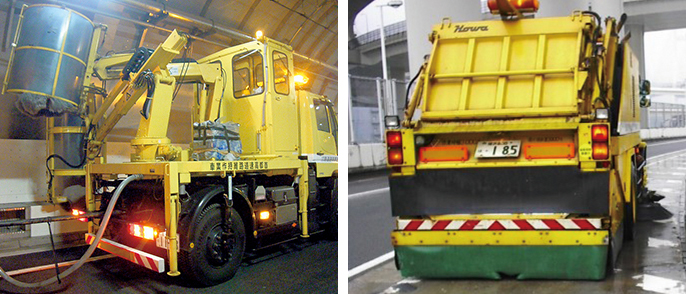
column 49, row 61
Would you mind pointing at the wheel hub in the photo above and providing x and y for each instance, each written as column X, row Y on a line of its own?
column 219, row 245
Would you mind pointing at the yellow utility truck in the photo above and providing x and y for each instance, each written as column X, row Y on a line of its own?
column 260, row 169
column 519, row 154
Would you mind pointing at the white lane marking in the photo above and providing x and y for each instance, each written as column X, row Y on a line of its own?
column 369, row 179
column 661, row 285
column 370, row 264
column 666, row 143
column 655, row 243
column 410, row 281
column 397, row 287
column 375, row 191
column 658, row 158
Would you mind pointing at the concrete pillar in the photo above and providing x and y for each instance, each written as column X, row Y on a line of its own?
column 637, row 44
column 422, row 15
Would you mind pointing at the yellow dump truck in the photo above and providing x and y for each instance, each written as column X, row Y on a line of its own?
column 260, row 169
column 519, row 154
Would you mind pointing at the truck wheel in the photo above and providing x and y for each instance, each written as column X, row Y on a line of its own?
column 214, row 257
column 333, row 222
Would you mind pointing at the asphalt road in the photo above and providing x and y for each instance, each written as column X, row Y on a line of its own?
column 297, row 267
column 369, row 210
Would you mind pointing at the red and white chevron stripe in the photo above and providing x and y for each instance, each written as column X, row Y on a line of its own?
column 500, row 224
column 136, row 256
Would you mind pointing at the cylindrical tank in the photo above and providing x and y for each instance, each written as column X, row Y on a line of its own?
column 49, row 61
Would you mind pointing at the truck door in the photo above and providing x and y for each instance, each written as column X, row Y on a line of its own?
column 325, row 129
column 283, row 101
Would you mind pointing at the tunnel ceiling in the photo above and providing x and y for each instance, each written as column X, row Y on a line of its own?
column 309, row 26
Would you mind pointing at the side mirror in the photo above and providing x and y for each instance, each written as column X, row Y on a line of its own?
column 645, row 92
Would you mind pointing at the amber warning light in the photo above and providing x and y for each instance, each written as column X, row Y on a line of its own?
column 510, row 7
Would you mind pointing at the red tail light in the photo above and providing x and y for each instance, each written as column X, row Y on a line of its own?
column 394, row 139
column 521, row 5
column 599, row 133
column 395, row 156
column 76, row 212
column 600, row 151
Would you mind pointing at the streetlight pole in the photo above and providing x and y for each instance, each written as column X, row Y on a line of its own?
column 384, row 66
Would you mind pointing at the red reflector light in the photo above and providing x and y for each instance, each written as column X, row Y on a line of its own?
column 394, row 139
column 395, row 156
column 521, row 5
column 600, row 151
column 443, row 153
column 599, row 133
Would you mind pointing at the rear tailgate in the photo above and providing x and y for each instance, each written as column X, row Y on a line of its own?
column 506, row 69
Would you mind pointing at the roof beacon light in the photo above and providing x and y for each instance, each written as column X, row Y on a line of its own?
column 512, row 7
column 301, row 80
column 259, row 35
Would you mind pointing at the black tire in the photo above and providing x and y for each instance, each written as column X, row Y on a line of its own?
column 211, row 261
column 333, row 222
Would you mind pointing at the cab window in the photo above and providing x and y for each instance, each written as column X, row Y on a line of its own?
column 280, row 73
column 322, row 117
column 248, row 75
column 334, row 122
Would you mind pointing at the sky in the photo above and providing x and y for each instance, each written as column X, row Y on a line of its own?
column 666, row 70
column 369, row 18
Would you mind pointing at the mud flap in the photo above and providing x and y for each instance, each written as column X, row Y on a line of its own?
column 495, row 262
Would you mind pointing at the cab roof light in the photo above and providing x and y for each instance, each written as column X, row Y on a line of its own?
column 512, row 7
column 301, row 79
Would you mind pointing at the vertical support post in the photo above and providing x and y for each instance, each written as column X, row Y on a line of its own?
column 351, row 129
column 304, row 191
column 90, row 200
column 171, row 205
column 382, row 112
column 392, row 98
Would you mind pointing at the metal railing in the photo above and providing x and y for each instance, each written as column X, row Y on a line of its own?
column 369, row 103
column 666, row 115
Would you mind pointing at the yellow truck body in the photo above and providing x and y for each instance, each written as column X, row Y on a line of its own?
column 520, row 152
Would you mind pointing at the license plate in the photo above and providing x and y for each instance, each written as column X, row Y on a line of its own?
column 498, row 149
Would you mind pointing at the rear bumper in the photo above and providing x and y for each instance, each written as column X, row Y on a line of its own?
column 550, row 189
column 524, row 248
column 147, row 260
